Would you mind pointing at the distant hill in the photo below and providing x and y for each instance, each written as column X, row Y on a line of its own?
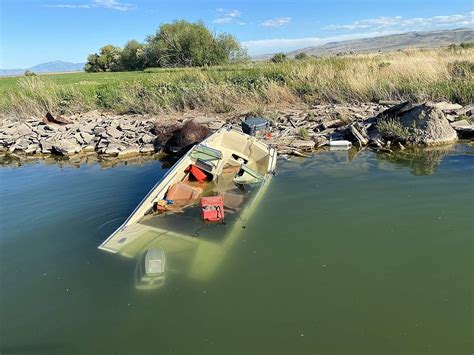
column 50, row 67
column 428, row 39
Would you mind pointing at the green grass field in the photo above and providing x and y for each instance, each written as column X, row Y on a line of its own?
column 413, row 75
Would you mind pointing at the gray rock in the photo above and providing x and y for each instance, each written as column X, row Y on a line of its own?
column 147, row 138
column 216, row 125
column 46, row 146
column 127, row 126
column 147, row 148
column 464, row 128
column 21, row 144
column 32, row 149
column 66, row 147
column 103, row 143
column 447, row 106
column 78, row 138
column 98, row 129
column 113, row 132
column 87, row 128
column 112, row 149
column 86, row 137
column 129, row 151
column 88, row 149
column 425, row 123
column 204, row 119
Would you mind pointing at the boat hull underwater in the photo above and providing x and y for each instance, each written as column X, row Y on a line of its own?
column 239, row 168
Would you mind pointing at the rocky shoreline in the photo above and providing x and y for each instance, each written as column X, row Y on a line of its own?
column 295, row 130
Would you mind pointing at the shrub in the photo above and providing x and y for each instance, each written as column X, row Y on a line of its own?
column 279, row 58
column 301, row 56
column 462, row 69
column 29, row 72
column 392, row 129
column 303, row 133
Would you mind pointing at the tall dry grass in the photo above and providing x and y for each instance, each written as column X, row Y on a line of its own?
column 442, row 74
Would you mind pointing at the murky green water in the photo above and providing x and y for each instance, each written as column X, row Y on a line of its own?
column 369, row 255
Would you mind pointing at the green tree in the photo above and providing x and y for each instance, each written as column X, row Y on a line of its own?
column 186, row 44
column 279, row 58
column 301, row 56
column 132, row 56
column 29, row 72
column 108, row 59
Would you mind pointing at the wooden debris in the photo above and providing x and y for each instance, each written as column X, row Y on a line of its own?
column 50, row 119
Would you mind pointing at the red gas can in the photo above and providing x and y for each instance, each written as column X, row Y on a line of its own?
column 212, row 208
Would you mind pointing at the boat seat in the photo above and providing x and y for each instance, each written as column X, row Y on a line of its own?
column 246, row 175
column 206, row 153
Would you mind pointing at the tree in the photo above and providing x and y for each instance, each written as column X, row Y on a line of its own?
column 177, row 44
column 301, row 56
column 279, row 58
column 186, row 44
column 132, row 56
column 108, row 59
column 29, row 72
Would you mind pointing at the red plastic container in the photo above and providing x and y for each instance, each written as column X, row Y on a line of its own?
column 198, row 174
column 212, row 208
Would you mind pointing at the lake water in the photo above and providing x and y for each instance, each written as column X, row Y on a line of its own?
column 346, row 253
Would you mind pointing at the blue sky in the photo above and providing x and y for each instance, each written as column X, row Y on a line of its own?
column 36, row 31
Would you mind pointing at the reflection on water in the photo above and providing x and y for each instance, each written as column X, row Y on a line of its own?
column 344, row 245
column 78, row 160
column 421, row 161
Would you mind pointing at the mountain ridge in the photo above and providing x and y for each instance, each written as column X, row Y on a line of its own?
column 413, row 39
column 56, row 66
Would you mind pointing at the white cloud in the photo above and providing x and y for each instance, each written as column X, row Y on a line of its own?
column 225, row 16
column 106, row 4
column 399, row 22
column 264, row 46
column 113, row 5
column 276, row 22
column 69, row 6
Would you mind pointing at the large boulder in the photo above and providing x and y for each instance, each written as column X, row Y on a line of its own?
column 422, row 124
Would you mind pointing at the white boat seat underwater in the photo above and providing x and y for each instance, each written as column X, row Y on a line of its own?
column 245, row 175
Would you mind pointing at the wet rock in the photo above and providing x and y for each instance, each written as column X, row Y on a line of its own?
column 112, row 149
column 46, row 146
column 147, row 148
column 129, row 151
column 88, row 149
column 32, row 149
column 66, row 147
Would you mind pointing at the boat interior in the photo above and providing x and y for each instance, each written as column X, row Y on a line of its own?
column 229, row 164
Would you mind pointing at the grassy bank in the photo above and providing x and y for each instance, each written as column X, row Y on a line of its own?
column 416, row 75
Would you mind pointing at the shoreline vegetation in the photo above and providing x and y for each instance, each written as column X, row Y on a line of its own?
column 444, row 74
